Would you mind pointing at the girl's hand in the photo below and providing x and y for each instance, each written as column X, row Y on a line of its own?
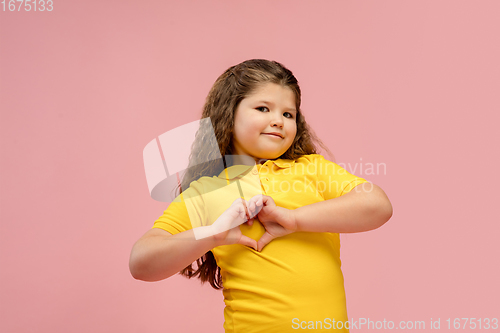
column 277, row 221
column 226, row 228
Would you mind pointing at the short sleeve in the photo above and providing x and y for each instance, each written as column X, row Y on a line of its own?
column 333, row 180
column 176, row 217
column 199, row 205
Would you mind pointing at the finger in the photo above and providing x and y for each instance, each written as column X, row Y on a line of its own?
column 264, row 240
column 260, row 200
column 243, row 211
column 250, row 222
column 244, row 240
column 245, row 206
column 266, row 200
column 251, row 205
column 234, row 221
column 242, row 218
column 257, row 199
column 249, row 209
column 256, row 202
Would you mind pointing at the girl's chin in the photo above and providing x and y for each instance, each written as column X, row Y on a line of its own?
column 270, row 155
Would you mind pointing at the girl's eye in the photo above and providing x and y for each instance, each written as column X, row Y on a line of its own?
column 286, row 114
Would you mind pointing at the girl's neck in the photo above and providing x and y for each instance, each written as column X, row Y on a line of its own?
column 247, row 160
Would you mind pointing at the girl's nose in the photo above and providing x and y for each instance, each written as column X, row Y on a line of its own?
column 277, row 124
column 277, row 121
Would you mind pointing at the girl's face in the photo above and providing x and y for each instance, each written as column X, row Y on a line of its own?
column 269, row 109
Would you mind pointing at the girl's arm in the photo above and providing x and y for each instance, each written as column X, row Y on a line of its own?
column 158, row 254
column 364, row 208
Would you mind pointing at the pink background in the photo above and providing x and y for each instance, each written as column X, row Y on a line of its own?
column 411, row 84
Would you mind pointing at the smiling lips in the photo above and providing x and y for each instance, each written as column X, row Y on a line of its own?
column 274, row 134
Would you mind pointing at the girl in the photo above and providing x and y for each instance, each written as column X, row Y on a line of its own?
column 280, row 271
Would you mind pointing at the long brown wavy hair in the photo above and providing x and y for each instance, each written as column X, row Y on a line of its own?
column 236, row 83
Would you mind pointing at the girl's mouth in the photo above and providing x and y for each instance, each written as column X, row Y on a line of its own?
column 274, row 135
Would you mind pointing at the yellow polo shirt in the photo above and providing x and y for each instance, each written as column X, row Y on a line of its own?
column 295, row 282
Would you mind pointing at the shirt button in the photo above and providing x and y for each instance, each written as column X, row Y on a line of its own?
column 255, row 172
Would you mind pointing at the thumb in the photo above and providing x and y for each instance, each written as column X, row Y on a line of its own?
column 264, row 240
column 245, row 240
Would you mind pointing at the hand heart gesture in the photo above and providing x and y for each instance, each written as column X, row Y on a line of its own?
column 277, row 221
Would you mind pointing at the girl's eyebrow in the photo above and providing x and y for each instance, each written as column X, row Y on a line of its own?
column 272, row 104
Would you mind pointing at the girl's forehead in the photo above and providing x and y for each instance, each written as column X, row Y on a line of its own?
column 272, row 99
column 267, row 87
column 269, row 90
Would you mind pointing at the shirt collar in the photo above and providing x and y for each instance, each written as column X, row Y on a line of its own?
column 282, row 163
column 239, row 170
